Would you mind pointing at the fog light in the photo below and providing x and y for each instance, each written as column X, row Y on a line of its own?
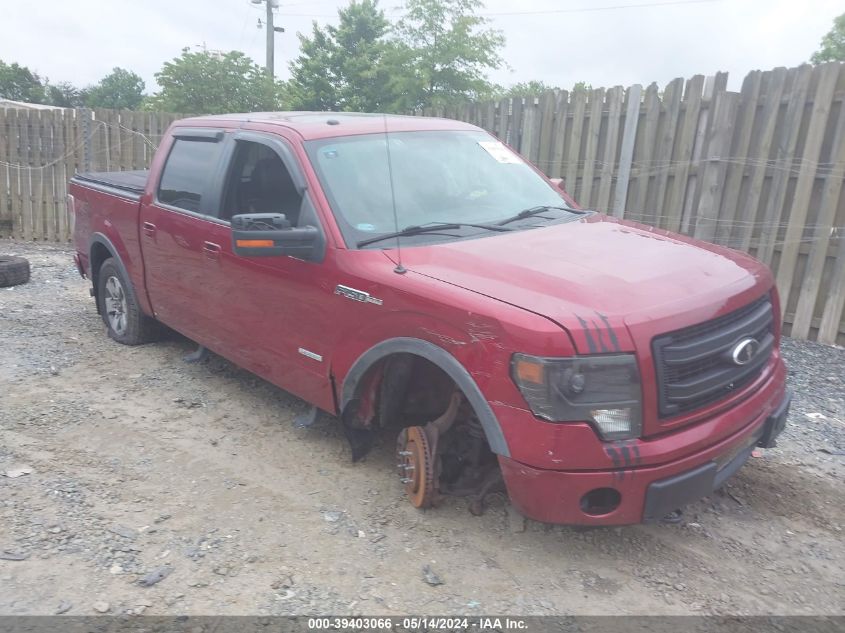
column 600, row 501
column 613, row 422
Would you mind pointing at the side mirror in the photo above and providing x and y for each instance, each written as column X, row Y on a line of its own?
column 271, row 235
column 558, row 182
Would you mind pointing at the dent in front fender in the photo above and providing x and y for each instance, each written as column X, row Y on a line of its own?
column 446, row 362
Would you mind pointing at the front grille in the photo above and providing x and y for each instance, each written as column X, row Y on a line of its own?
column 694, row 365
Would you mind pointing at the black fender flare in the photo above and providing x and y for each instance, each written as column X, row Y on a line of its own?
column 99, row 238
column 445, row 361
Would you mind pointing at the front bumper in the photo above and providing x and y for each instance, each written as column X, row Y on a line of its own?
column 640, row 494
column 665, row 495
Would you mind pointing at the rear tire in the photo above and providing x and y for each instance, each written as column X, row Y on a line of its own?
column 13, row 271
column 124, row 320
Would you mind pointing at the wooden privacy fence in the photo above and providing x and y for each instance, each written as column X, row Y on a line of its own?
column 760, row 170
column 40, row 150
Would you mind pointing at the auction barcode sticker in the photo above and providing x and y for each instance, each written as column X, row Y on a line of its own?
column 500, row 152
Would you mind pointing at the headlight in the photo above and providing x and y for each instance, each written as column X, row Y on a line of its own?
column 603, row 390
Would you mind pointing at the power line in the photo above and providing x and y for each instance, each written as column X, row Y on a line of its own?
column 604, row 8
column 617, row 7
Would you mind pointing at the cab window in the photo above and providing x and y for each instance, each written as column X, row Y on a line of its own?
column 259, row 182
column 187, row 172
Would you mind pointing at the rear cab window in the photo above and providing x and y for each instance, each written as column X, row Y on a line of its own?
column 189, row 169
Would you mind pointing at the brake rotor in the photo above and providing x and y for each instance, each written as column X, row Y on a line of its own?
column 416, row 466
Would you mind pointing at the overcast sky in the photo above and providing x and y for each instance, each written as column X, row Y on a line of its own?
column 556, row 41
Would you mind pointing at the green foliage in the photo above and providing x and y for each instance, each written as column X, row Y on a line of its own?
column 65, row 95
column 19, row 83
column 443, row 53
column 343, row 67
column 313, row 84
column 211, row 83
column 436, row 55
column 531, row 88
column 832, row 47
column 120, row 89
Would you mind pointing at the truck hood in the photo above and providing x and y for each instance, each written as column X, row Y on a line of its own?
column 600, row 275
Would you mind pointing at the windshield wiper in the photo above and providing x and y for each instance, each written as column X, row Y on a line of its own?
column 432, row 227
column 532, row 211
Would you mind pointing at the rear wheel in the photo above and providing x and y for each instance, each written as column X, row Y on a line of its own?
column 124, row 320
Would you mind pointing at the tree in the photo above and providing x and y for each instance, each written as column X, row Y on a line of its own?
column 344, row 67
column 533, row 88
column 120, row 89
column 443, row 52
column 19, row 83
column 833, row 44
column 65, row 95
column 314, row 81
column 213, row 83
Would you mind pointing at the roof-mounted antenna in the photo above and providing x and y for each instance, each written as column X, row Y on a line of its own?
column 400, row 269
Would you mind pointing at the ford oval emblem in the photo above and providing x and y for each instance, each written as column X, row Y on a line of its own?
column 744, row 351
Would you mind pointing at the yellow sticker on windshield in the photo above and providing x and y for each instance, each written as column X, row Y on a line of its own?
column 500, row 152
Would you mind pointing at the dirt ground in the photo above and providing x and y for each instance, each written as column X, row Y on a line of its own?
column 140, row 463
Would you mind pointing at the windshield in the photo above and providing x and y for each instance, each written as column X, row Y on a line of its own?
column 450, row 176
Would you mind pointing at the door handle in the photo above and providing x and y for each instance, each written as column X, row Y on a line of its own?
column 211, row 250
column 149, row 229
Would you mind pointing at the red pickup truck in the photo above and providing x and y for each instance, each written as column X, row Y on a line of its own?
column 425, row 284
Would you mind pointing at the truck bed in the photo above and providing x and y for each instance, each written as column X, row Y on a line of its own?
column 131, row 182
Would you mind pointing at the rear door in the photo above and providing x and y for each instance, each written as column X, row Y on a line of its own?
column 180, row 234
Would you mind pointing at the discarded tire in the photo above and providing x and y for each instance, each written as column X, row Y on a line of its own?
column 13, row 271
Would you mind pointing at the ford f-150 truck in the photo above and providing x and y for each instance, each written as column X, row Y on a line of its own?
column 426, row 285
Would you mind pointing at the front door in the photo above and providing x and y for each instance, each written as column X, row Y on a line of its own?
column 272, row 311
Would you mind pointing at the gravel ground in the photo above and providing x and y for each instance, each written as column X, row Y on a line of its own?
column 136, row 483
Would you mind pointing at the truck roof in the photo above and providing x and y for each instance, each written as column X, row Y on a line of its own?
column 314, row 125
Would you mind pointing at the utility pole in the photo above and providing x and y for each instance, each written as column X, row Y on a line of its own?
column 271, row 41
column 270, row 66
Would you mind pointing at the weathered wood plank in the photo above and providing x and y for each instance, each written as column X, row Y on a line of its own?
column 832, row 315
column 821, row 235
column 713, row 178
column 5, row 202
column 626, row 154
column 666, row 143
column 48, row 198
column 504, row 118
column 547, row 115
column 60, row 176
column 573, row 156
column 14, row 154
column 529, row 122
column 798, row 211
column 748, row 100
column 759, row 158
column 585, row 195
column 515, row 128
column 611, row 141
column 40, row 147
column 785, row 158
column 536, row 131
column 683, row 152
column 559, row 135
column 26, row 160
column 713, row 87
column 645, row 146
